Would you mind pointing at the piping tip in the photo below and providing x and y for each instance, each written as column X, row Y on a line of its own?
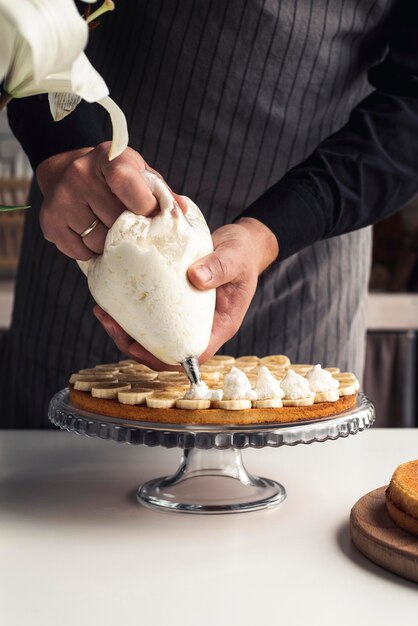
column 191, row 367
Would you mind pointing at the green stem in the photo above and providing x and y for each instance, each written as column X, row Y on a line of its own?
column 107, row 5
column 4, row 208
column 5, row 99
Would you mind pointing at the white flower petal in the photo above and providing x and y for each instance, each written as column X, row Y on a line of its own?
column 86, row 82
column 82, row 80
column 7, row 39
column 120, row 137
column 53, row 29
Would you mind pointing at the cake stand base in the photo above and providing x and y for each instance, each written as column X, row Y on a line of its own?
column 211, row 481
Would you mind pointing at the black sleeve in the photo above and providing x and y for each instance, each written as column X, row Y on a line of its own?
column 40, row 137
column 367, row 170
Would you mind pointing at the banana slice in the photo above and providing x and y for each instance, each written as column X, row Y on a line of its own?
column 88, row 384
column 92, row 371
column 210, row 367
column 210, row 377
column 301, row 368
column 277, row 359
column 97, row 376
column 105, row 366
column 232, row 405
column 219, row 359
column 268, row 403
column 163, row 399
column 299, row 401
column 109, row 391
column 140, row 367
column 185, row 403
column 132, row 371
column 346, row 389
column 327, row 396
column 245, row 366
column 278, row 374
column 345, row 377
column 134, row 395
column 247, row 359
column 141, row 377
column 172, row 377
column 332, row 370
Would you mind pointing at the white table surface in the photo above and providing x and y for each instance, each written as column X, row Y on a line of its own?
column 76, row 548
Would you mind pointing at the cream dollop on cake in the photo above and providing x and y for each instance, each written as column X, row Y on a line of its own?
column 267, row 386
column 237, row 386
column 320, row 380
column 295, row 386
column 200, row 391
column 141, row 277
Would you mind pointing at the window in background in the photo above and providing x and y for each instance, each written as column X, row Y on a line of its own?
column 15, row 176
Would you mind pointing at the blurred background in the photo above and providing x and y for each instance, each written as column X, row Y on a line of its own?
column 391, row 373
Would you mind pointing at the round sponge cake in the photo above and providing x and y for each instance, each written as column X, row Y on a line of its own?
column 402, row 497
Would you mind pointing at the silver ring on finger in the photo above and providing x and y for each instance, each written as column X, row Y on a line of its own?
column 89, row 229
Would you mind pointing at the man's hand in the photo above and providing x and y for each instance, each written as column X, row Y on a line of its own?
column 242, row 251
column 81, row 186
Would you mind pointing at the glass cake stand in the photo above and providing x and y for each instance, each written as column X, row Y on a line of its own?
column 211, row 477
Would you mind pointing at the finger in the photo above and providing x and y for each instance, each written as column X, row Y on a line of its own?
column 116, row 332
column 81, row 218
column 125, row 343
column 105, row 205
column 215, row 269
column 72, row 245
column 222, row 331
column 180, row 201
column 126, row 182
column 95, row 240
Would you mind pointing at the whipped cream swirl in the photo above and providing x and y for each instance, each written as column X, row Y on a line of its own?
column 321, row 380
column 295, row 386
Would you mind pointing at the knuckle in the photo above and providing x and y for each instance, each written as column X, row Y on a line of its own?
column 48, row 223
column 75, row 171
column 118, row 175
column 220, row 267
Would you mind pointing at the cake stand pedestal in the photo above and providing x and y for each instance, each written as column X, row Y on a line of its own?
column 211, row 477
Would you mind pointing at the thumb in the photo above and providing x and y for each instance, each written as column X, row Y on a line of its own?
column 213, row 270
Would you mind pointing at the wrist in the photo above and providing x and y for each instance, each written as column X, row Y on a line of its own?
column 49, row 170
column 263, row 239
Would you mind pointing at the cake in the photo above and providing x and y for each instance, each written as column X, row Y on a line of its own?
column 402, row 497
column 246, row 390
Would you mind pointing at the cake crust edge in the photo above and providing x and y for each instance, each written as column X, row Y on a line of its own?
column 112, row 408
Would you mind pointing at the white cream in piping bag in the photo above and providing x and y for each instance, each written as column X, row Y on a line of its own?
column 140, row 279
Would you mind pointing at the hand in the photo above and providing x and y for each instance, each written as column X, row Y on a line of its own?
column 83, row 185
column 242, row 251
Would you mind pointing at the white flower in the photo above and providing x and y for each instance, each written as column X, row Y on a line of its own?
column 41, row 43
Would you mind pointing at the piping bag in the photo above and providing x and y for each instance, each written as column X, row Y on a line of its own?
column 141, row 279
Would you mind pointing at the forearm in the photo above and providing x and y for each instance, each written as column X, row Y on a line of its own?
column 358, row 176
column 366, row 171
column 40, row 137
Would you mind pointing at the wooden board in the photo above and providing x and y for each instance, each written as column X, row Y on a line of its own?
column 375, row 534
